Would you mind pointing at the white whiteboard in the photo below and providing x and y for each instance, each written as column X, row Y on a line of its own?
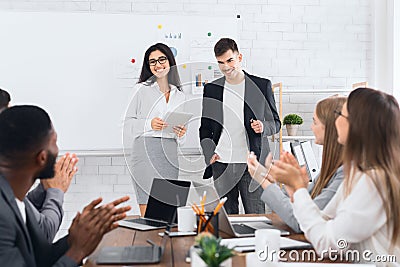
column 78, row 66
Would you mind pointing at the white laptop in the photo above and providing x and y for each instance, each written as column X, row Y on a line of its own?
column 235, row 228
column 165, row 196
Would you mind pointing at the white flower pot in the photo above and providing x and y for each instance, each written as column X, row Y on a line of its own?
column 292, row 129
column 253, row 261
column 196, row 261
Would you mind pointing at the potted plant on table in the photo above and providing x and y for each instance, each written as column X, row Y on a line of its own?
column 209, row 250
column 292, row 122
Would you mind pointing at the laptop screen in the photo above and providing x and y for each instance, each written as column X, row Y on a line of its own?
column 165, row 196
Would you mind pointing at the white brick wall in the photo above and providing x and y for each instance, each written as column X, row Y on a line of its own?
column 105, row 176
column 338, row 33
column 305, row 44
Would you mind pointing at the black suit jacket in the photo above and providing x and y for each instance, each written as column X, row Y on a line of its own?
column 259, row 105
column 25, row 244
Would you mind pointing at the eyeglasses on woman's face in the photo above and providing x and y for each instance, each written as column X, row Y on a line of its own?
column 161, row 60
column 339, row 113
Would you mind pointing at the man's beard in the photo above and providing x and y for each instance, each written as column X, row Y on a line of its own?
column 48, row 171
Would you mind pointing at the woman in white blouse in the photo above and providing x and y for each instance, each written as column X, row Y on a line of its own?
column 325, row 185
column 364, row 215
column 154, row 152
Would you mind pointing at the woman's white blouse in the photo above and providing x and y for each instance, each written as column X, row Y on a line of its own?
column 359, row 219
column 149, row 102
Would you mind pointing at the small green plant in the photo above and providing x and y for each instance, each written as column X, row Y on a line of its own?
column 211, row 250
column 292, row 119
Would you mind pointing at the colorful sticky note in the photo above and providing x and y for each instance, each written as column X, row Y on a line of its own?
column 159, row 26
column 184, row 66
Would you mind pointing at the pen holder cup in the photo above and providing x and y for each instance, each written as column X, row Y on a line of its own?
column 208, row 223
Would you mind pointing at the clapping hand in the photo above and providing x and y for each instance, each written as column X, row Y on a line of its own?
column 89, row 227
column 64, row 171
column 287, row 171
column 259, row 173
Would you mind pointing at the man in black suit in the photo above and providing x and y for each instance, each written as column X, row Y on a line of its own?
column 28, row 149
column 239, row 113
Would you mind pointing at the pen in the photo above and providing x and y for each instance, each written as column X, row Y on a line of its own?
column 217, row 208
column 220, row 204
column 196, row 209
column 198, row 212
column 207, row 222
column 202, row 202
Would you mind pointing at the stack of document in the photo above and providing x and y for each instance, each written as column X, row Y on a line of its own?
column 242, row 219
column 247, row 244
column 252, row 260
column 308, row 264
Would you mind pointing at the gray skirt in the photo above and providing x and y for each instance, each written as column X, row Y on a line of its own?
column 152, row 157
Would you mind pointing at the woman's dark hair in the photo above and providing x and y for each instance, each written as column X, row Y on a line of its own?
column 147, row 76
column 373, row 147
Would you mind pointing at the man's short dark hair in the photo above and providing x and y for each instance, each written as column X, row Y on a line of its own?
column 223, row 45
column 23, row 129
column 4, row 99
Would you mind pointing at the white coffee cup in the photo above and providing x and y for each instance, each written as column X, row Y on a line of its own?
column 267, row 244
column 186, row 219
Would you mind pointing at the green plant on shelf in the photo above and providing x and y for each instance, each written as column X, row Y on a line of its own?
column 292, row 119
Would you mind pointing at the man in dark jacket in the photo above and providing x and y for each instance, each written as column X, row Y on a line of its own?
column 28, row 149
column 47, row 198
column 239, row 113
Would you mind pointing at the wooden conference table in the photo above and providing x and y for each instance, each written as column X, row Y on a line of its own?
column 176, row 257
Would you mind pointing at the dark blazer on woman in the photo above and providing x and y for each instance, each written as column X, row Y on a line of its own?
column 259, row 105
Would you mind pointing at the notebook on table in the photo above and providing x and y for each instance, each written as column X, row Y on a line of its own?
column 165, row 196
column 136, row 254
column 132, row 255
column 247, row 244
